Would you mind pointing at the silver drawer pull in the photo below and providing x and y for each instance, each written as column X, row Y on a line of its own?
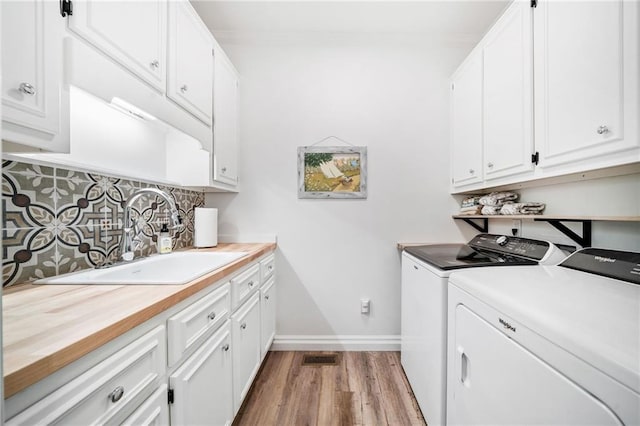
column 266, row 297
column 243, row 325
column 271, row 267
column 117, row 394
column 27, row 89
column 184, row 88
column 250, row 283
column 490, row 165
column 602, row 130
column 224, row 170
column 155, row 64
column 211, row 316
column 225, row 347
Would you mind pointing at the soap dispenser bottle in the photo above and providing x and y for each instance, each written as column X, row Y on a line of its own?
column 164, row 240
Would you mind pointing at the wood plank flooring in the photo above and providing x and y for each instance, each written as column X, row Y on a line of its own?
column 363, row 389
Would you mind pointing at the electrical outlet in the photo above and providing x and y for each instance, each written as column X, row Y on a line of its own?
column 516, row 228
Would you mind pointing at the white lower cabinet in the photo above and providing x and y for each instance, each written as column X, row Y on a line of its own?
column 107, row 393
column 268, row 314
column 202, row 385
column 245, row 325
column 196, row 370
column 153, row 412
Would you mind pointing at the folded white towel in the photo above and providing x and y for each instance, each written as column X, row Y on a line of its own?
column 471, row 210
column 522, row 208
column 498, row 198
column 491, row 210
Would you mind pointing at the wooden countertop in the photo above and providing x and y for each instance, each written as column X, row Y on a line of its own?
column 47, row 327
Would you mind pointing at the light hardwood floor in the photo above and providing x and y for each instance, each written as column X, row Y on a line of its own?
column 365, row 388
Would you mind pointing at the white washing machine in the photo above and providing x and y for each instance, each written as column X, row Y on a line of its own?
column 425, row 273
column 547, row 344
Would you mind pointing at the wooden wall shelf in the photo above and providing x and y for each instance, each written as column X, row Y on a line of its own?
column 553, row 220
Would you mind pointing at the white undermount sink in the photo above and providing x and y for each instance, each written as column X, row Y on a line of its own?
column 174, row 268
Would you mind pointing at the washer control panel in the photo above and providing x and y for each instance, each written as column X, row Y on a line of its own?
column 514, row 246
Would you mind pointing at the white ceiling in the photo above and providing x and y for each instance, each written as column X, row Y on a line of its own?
column 442, row 19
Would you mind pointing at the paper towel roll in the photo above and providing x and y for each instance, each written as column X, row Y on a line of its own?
column 205, row 227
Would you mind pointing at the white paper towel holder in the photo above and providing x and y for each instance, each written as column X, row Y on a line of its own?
column 205, row 227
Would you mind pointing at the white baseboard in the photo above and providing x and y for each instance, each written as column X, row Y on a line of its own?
column 336, row 343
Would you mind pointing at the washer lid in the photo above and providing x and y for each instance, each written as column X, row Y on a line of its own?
column 593, row 317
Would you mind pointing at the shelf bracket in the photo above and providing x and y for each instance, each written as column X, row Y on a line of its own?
column 583, row 241
column 482, row 228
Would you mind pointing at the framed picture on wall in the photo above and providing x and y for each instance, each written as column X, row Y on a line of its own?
column 332, row 172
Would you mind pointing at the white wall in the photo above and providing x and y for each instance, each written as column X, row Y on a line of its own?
column 392, row 99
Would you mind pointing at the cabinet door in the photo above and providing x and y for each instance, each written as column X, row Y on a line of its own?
column 507, row 94
column 586, row 79
column 153, row 412
column 268, row 314
column 202, row 385
column 466, row 122
column 225, row 127
column 245, row 324
column 131, row 32
column 497, row 381
column 32, row 90
column 190, row 79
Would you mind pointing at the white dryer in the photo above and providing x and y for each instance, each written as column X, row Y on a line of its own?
column 546, row 344
column 425, row 274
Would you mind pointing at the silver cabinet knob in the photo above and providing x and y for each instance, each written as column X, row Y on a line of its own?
column 266, row 297
column 184, row 88
column 225, row 347
column 243, row 325
column 27, row 89
column 602, row 130
column 490, row 165
column 271, row 267
column 471, row 171
column 250, row 283
column 211, row 316
column 155, row 64
column 117, row 394
column 224, row 170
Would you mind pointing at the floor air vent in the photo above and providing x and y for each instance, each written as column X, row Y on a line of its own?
column 320, row 359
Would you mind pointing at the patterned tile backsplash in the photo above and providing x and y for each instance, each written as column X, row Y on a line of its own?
column 58, row 220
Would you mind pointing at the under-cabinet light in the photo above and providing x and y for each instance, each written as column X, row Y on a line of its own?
column 126, row 107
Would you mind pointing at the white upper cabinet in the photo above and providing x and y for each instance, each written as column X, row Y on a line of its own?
column 131, row 32
column 507, row 96
column 225, row 126
column 190, row 77
column 466, row 122
column 586, row 79
column 560, row 94
column 33, row 96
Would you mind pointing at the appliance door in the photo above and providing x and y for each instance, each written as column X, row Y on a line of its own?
column 494, row 380
column 423, row 336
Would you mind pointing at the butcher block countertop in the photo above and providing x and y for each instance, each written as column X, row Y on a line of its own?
column 47, row 327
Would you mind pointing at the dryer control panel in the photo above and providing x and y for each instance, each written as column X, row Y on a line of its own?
column 621, row 265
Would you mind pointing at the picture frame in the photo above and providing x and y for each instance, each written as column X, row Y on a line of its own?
column 332, row 172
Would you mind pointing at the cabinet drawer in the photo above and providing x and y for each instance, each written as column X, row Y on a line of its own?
column 244, row 284
column 108, row 392
column 154, row 411
column 188, row 326
column 267, row 268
